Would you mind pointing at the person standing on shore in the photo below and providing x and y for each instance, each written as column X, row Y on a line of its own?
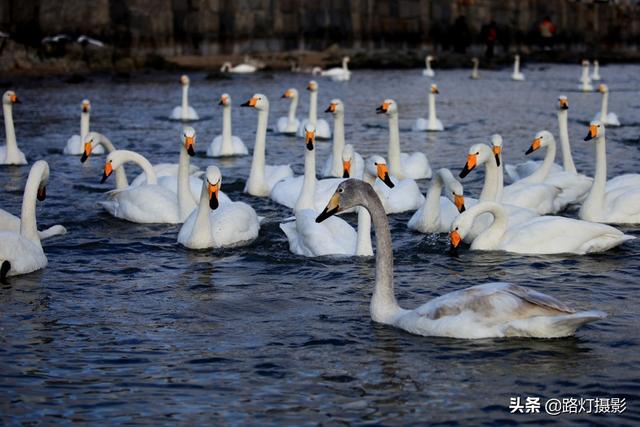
column 547, row 33
column 490, row 36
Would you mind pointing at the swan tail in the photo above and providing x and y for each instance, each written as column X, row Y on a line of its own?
column 4, row 270
column 512, row 173
column 567, row 325
column 551, row 326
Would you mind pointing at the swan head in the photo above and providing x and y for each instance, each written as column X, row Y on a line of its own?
column 478, row 154
column 346, row 59
column 44, row 179
column 603, row 88
column 213, row 183
column 225, row 100
column 434, row 89
column 258, row 101
column 455, row 191
column 112, row 162
column 563, row 102
column 475, row 60
column 348, row 195
column 336, row 107
column 496, row 147
column 595, row 62
column 585, row 63
column 290, row 93
column 189, row 140
column 90, row 141
column 312, row 86
column 377, row 166
column 460, row 228
column 10, row 98
column 86, row 106
column 542, row 139
column 389, row 107
column 516, row 57
column 184, row 80
column 347, row 157
column 309, row 136
column 430, row 58
column 596, row 129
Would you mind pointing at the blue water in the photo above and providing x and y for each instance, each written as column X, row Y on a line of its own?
column 125, row 326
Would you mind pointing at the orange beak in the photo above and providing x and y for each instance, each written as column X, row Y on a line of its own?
column 535, row 145
column 108, row 169
column 434, row 90
column 564, row 104
column 383, row 108
column 13, row 98
column 593, row 132
column 309, row 138
column 454, row 236
column 459, row 202
column 213, row 195
column 189, row 145
column 346, row 167
column 468, row 167
column 383, row 174
column 331, row 108
column 223, row 100
column 250, row 103
column 87, row 152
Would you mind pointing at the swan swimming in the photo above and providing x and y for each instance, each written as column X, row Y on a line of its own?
column 184, row 112
column 604, row 116
column 289, row 125
column 397, row 195
column 475, row 74
column 432, row 123
column 75, row 144
column 333, row 166
column 10, row 154
column 226, row 145
column 428, row 71
column 338, row 74
column 323, row 131
column 238, row 69
column 517, row 74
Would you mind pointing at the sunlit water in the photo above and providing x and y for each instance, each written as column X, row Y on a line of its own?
column 125, row 324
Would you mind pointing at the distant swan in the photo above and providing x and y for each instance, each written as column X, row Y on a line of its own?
column 226, row 144
column 428, row 71
column 596, row 71
column 238, row 69
column 184, row 112
column 323, row 131
column 289, row 124
column 338, row 74
column 432, row 123
column 474, row 72
column 605, row 117
column 75, row 144
column 333, row 165
column 585, row 79
column 10, row 154
column 517, row 75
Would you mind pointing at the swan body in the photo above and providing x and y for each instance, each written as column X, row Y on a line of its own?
column 517, row 75
column 289, row 125
column 618, row 204
column 397, row 195
column 585, row 79
column 596, row 71
column 287, row 191
column 184, row 112
column 432, row 124
column 75, row 144
column 540, row 235
column 307, row 237
column 402, row 165
column 262, row 178
column 338, row 74
column 323, row 131
column 226, row 144
column 428, row 71
column 333, row 167
column 475, row 75
column 604, row 116
column 10, row 154
column 21, row 251
column 212, row 225
column 238, row 69
column 438, row 212
column 483, row 311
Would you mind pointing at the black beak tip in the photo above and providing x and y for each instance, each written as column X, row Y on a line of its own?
column 498, row 160
column 246, row 104
column 345, row 174
column 104, row 178
column 380, row 110
column 310, row 146
column 220, row 103
column 328, row 110
column 388, row 181
column 588, row 137
column 42, row 194
column 84, row 157
column 191, row 151
column 465, row 171
column 462, row 208
column 18, row 101
column 213, row 203
column 529, row 151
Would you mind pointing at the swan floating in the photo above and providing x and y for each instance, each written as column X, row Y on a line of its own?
column 585, row 79
column 262, row 178
column 432, row 124
column 475, row 74
column 21, row 251
column 613, row 202
column 212, row 225
column 289, row 125
column 184, row 112
column 10, row 154
column 438, row 212
column 482, row 311
column 333, row 166
column 605, row 117
column 402, row 165
column 334, row 237
column 323, row 131
column 338, row 74
column 397, row 195
column 596, row 71
column 75, row 144
column 428, row 71
column 540, row 235
column 517, row 75
column 238, row 69
column 226, row 145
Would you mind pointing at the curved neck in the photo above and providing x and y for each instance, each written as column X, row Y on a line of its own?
column 185, row 199
column 293, row 108
column 595, row 200
column 543, row 171
column 307, row 193
column 384, row 306
column 84, row 124
column 227, row 145
column 140, row 160
column 121, row 174
column 491, row 237
column 185, row 102
column 363, row 243
column 202, row 223
column 10, row 131
column 432, row 107
column 28, row 227
column 431, row 209
column 604, row 107
column 255, row 183
column 393, row 154
column 567, row 158
column 313, row 107
column 491, row 181
column 338, row 144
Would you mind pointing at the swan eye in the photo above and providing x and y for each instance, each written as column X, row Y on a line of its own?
column 457, row 228
column 477, row 153
column 340, row 190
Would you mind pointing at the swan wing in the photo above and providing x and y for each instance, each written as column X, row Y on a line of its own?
column 308, row 238
column 276, row 173
column 286, row 192
column 24, row 255
column 415, row 165
column 234, row 224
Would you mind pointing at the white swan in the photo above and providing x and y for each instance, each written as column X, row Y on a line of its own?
column 184, row 112
column 475, row 74
column 289, row 124
column 585, row 79
column 605, row 117
column 238, row 69
column 428, row 71
column 596, row 71
column 438, row 212
column 614, row 202
column 21, row 251
column 338, row 74
column 75, row 144
column 212, row 225
column 397, row 195
column 226, row 144
column 262, row 178
column 323, row 131
column 481, row 311
column 517, row 75
column 432, row 124
column 352, row 163
column 402, row 165
column 335, row 237
column 540, row 235
column 10, row 154
column 333, row 165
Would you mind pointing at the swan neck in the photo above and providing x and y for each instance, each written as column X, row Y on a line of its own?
column 363, row 243
column 185, row 199
column 543, row 171
column 395, row 167
column 227, row 146
column 141, row 161
column 202, row 223
column 10, row 131
column 28, row 227
column 313, row 108
column 431, row 210
column 605, row 106
column 338, row 144
column 491, row 182
column 255, row 183
column 432, row 107
column 491, row 236
column 516, row 66
column 84, row 125
column 185, row 102
column 293, row 107
column 567, row 158
column 595, row 200
column 307, row 194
